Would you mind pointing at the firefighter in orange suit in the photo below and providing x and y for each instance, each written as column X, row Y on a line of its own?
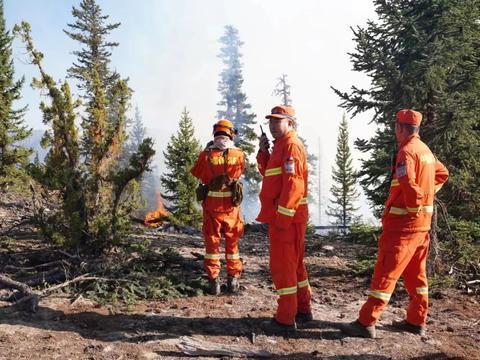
column 403, row 245
column 284, row 208
column 219, row 167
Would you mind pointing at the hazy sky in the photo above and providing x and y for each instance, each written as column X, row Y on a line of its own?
column 169, row 48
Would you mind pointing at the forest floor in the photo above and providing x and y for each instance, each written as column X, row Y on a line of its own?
column 75, row 327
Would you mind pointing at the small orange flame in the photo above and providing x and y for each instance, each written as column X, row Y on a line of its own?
column 155, row 218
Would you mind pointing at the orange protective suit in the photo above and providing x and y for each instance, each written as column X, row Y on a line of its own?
column 403, row 245
column 284, row 207
column 219, row 213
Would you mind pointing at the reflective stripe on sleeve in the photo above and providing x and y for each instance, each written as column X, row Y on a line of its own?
column 303, row 283
column 220, row 194
column 379, row 295
column 398, row 211
column 287, row 291
column 394, row 183
column 273, row 171
column 422, row 290
column 427, row 209
column 285, row 211
column 303, row 201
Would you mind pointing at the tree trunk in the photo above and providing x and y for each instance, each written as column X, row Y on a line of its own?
column 434, row 263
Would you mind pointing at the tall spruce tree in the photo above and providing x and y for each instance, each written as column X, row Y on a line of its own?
column 342, row 207
column 179, row 184
column 422, row 54
column 107, row 95
column 283, row 90
column 13, row 156
column 234, row 107
column 91, row 31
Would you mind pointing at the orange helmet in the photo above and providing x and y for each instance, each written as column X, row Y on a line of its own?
column 224, row 127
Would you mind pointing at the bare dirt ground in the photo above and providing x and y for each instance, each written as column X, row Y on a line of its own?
column 62, row 329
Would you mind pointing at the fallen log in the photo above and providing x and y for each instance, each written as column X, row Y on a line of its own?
column 29, row 300
column 40, row 266
column 194, row 347
column 46, row 277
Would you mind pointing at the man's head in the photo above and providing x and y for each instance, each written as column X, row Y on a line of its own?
column 281, row 120
column 224, row 127
column 407, row 123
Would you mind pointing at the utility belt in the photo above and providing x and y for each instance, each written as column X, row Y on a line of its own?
column 220, row 182
column 235, row 190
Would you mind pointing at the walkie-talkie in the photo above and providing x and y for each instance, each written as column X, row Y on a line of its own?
column 263, row 134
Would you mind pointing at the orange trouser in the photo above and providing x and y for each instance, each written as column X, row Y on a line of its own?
column 399, row 254
column 230, row 224
column 288, row 271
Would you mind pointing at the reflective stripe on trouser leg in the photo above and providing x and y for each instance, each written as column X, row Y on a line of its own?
column 304, row 292
column 211, row 233
column 415, row 280
column 394, row 255
column 284, row 250
column 232, row 227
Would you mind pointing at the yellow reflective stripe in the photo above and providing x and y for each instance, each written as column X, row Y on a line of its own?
column 285, row 211
column 422, row 290
column 398, row 211
column 220, row 160
column 273, row 171
column 303, row 283
column 212, row 256
column 427, row 209
column 303, row 201
column 379, row 294
column 233, row 256
column 394, row 183
column 220, row 194
column 405, row 211
column 287, row 291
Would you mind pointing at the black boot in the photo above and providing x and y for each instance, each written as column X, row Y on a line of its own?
column 303, row 318
column 214, row 286
column 232, row 284
column 406, row 326
column 356, row 329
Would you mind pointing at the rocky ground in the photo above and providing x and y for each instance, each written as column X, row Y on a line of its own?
column 66, row 327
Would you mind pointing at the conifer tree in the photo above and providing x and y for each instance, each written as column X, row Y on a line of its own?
column 149, row 183
column 91, row 31
column 107, row 96
column 13, row 156
column 137, row 132
column 95, row 210
column 107, row 100
column 423, row 55
column 234, row 107
column 282, row 89
column 342, row 207
column 179, row 184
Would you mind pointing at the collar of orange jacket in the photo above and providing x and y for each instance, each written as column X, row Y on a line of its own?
column 408, row 139
column 287, row 136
